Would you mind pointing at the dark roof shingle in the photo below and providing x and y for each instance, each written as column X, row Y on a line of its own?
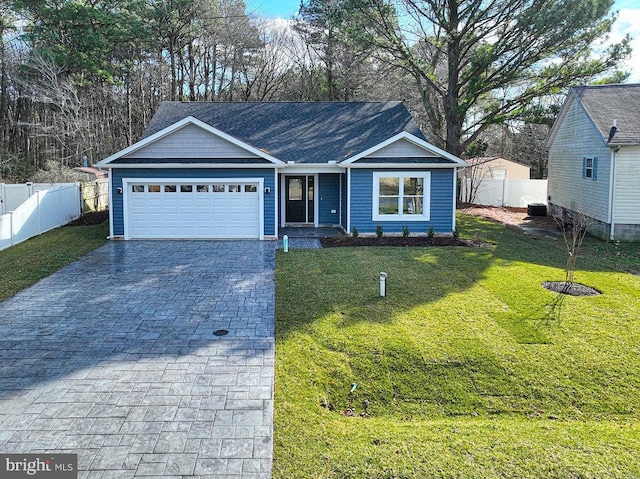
column 304, row 132
column 605, row 103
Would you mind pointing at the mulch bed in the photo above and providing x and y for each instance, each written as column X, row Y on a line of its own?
column 93, row 218
column 573, row 289
column 345, row 241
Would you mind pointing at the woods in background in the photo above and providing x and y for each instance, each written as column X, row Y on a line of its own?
column 482, row 77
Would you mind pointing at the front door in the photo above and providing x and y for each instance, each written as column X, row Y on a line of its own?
column 299, row 199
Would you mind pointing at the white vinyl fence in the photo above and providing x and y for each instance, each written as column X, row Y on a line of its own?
column 505, row 192
column 12, row 196
column 42, row 211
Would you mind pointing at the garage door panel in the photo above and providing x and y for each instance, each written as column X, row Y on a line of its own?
column 180, row 211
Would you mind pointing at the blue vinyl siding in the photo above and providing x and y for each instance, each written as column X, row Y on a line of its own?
column 441, row 213
column 328, row 191
column 178, row 173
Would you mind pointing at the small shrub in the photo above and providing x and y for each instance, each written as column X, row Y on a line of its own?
column 430, row 233
column 456, row 234
column 354, row 232
column 405, row 231
column 379, row 231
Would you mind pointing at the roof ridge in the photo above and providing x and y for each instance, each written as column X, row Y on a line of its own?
column 333, row 102
column 605, row 86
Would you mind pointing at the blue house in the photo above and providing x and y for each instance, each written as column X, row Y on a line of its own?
column 244, row 170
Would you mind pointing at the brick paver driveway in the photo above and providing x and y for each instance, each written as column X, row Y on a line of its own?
column 114, row 358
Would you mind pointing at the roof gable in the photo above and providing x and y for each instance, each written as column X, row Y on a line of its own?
column 603, row 104
column 401, row 148
column 405, row 145
column 199, row 142
column 482, row 160
column 166, row 137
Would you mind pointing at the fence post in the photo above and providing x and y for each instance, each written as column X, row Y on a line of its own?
column 504, row 191
column 60, row 212
column 81, row 194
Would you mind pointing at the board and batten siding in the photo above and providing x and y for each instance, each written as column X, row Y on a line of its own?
column 441, row 203
column 627, row 186
column 399, row 149
column 576, row 138
column 194, row 140
column 181, row 173
column 328, row 192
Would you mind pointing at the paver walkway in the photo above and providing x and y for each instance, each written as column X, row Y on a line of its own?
column 114, row 358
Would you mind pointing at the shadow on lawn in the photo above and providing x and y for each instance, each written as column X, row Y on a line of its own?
column 332, row 296
column 347, row 281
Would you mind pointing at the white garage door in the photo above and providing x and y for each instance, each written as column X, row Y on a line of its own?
column 195, row 209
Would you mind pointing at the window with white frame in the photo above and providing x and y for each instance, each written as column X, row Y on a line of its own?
column 589, row 167
column 401, row 196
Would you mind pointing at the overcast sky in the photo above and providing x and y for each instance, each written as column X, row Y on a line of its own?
column 628, row 23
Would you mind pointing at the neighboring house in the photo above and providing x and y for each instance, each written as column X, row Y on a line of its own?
column 91, row 173
column 244, row 169
column 594, row 159
column 495, row 168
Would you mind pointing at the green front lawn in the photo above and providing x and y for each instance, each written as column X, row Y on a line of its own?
column 465, row 372
column 27, row 263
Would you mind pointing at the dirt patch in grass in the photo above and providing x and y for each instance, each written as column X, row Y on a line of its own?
column 346, row 241
column 93, row 218
column 509, row 216
column 572, row 289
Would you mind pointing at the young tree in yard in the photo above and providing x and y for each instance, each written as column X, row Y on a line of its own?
column 574, row 226
column 485, row 61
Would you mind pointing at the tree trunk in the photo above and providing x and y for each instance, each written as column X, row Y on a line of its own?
column 454, row 118
column 172, row 57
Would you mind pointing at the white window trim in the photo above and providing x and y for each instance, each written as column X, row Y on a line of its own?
column 426, row 201
column 592, row 168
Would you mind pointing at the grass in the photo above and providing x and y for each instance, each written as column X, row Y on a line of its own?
column 465, row 372
column 27, row 263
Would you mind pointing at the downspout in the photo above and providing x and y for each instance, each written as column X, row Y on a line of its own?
column 612, row 196
column 276, row 204
column 111, row 204
column 612, row 178
column 455, row 196
column 348, row 200
column 340, row 201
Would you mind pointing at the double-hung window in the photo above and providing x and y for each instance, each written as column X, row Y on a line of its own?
column 589, row 167
column 401, row 196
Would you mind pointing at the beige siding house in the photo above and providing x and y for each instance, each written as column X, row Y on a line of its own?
column 496, row 168
column 594, row 159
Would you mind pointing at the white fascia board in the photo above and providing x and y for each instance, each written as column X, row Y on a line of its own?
column 211, row 166
column 406, row 166
column 404, row 135
column 190, row 120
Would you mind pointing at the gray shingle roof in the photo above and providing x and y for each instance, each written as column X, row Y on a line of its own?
column 304, row 132
column 605, row 103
